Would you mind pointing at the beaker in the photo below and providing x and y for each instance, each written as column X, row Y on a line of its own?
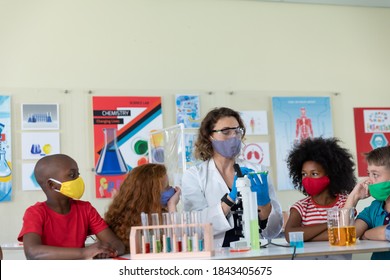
column 5, row 170
column 111, row 161
column 341, row 226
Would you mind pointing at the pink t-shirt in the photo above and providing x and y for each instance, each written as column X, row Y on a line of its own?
column 69, row 230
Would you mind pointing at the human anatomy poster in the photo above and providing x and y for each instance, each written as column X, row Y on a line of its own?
column 121, row 128
column 295, row 119
column 5, row 149
column 255, row 122
column 372, row 130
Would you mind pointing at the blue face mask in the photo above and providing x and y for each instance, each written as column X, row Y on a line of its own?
column 228, row 148
column 166, row 195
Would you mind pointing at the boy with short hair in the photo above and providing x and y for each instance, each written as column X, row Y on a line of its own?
column 373, row 222
column 58, row 227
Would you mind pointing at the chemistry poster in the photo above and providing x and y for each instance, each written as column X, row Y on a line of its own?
column 121, row 128
column 187, row 110
column 372, row 130
column 297, row 118
column 5, row 149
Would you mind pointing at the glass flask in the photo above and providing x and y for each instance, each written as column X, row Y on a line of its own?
column 5, row 170
column 111, row 161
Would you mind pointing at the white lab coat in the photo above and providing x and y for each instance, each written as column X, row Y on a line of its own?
column 202, row 190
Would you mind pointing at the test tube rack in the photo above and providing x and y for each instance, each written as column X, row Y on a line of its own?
column 136, row 243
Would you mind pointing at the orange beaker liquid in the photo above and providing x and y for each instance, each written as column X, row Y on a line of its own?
column 342, row 236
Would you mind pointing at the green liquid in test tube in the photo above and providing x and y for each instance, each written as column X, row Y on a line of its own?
column 156, row 234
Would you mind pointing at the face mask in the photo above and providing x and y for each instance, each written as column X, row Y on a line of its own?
column 73, row 189
column 380, row 191
column 228, row 148
column 315, row 186
column 166, row 195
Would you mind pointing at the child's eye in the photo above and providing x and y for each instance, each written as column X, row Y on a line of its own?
column 74, row 175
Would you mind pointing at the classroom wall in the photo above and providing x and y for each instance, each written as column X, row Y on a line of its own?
column 236, row 53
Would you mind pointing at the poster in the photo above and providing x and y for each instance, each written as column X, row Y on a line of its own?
column 256, row 153
column 121, row 128
column 187, row 111
column 255, row 122
column 5, row 149
column 297, row 118
column 40, row 144
column 29, row 182
column 372, row 130
column 40, row 116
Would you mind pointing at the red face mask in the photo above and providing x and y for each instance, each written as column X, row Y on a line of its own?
column 315, row 186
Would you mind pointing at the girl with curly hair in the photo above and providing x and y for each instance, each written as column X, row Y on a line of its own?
column 145, row 189
column 323, row 171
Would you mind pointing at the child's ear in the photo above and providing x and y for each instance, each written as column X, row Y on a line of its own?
column 50, row 184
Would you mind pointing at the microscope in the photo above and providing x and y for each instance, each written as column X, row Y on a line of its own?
column 248, row 215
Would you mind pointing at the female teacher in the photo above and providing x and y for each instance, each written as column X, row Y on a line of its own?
column 210, row 186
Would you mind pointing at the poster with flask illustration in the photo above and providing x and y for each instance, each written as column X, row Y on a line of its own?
column 121, row 126
column 5, row 149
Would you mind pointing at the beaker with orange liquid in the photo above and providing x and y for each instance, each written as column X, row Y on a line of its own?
column 341, row 226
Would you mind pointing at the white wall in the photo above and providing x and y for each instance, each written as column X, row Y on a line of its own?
column 143, row 47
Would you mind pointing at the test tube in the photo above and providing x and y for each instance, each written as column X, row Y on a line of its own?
column 197, row 237
column 177, row 232
column 167, row 233
column 187, row 234
column 156, row 234
column 145, row 234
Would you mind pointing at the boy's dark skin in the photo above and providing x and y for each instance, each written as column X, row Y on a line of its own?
column 63, row 168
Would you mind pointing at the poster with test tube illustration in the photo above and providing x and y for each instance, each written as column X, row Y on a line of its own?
column 372, row 130
column 121, row 127
column 5, row 149
column 40, row 116
column 38, row 145
column 256, row 122
column 188, row 111
column 295, row 119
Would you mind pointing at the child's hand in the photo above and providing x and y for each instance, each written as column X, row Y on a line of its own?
column 99, row 250
column 360, row 191
column 174, row 200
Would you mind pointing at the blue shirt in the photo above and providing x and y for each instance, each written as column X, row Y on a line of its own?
column 373, row 216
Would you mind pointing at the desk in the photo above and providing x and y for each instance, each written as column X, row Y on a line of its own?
column 311, row 249
column 12, row 246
